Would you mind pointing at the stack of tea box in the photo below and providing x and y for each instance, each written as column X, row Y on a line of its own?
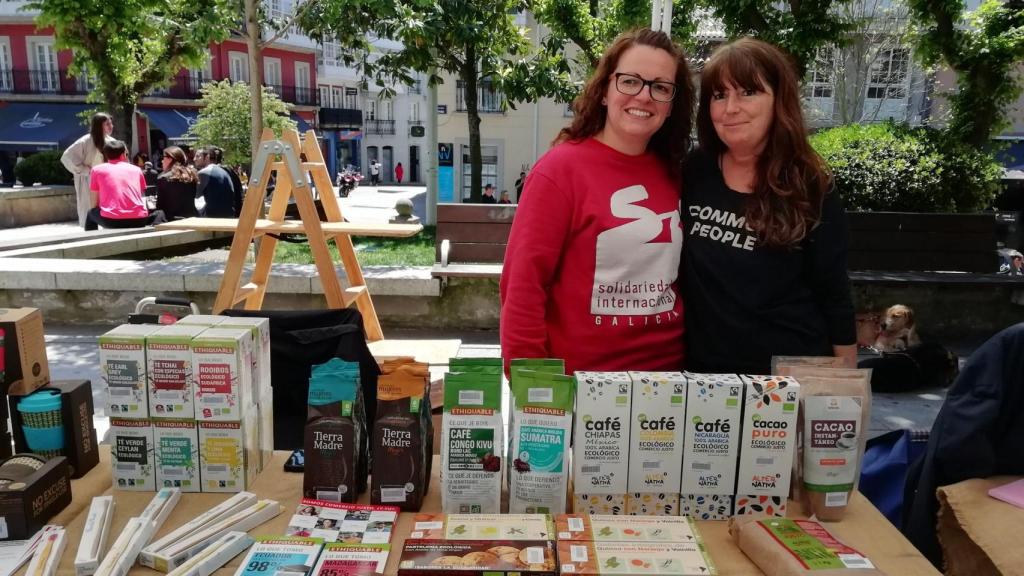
column 190, row 404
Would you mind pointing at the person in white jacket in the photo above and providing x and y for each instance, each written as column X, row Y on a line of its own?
column 85, row 153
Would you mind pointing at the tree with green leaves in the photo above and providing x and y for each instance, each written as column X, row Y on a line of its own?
column 800, row 27
column 985, row 48
column 471, row 39
column 226, row 118
column 590, row 25
column 131, row 47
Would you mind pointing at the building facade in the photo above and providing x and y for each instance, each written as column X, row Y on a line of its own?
column 40, row 100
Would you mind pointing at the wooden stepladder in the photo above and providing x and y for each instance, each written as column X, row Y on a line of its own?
column 292, row 182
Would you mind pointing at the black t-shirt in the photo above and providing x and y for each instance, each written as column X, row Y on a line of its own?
column 746, row 302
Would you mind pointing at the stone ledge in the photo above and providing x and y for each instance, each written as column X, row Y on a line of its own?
column 35, row 192
column 106, row 246
column 157, row 277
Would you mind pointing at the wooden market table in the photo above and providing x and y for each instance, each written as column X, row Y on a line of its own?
column 864, row 529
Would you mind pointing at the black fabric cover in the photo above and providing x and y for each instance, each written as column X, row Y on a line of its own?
column 978, row 433
column 300, row 339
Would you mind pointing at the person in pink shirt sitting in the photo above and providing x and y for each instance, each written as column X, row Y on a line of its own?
column 117, row 189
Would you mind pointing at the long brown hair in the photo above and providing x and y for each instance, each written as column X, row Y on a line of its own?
column 791, row 180
column 672, row 141
column 180, row 171
column 96, row 132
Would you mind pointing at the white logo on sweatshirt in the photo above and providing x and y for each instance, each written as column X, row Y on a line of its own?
column 633, row 275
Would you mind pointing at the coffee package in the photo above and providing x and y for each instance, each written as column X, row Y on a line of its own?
column 714, row 407
column 540, row 438
column 605, row 528
column 402, row 436
column 548, row 365
column 656, row 443
column 767, row 445
column 601, row 449
column 472, row 443
column 335, row 436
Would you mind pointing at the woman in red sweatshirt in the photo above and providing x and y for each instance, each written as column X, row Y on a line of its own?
column 592, row 259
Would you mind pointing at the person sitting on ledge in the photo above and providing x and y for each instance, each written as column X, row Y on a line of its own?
column 117, row 189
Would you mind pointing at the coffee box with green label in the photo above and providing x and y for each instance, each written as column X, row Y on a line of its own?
column 176, row 445
column 222, row 366
column 656, row 443
column 601, row 450
column 714, row 406
column 540, row 440
column 472, row 443
column 123, row 369
column 170, row 382
column 768, row 443
column 132, row 454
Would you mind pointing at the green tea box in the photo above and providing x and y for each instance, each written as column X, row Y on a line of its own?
column 132, row 454
column 176, row 445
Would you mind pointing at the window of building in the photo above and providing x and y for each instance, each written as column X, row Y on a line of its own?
column 820, row 81
column 414, row 112
column 325, row 96
column 488, row 97
column 272, row 73
column 275, row 9
column 371, row 108
column 488, row 168
column 6, row 74
column 889, row 75
column 303, row 94
column 45, row 77
column 351, row 98
column 387, row 110
column 238, row 66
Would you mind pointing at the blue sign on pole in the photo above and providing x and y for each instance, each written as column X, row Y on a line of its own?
column 445, row 184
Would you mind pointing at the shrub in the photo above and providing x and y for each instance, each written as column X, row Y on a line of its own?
column 896, row 168
column 44, row 168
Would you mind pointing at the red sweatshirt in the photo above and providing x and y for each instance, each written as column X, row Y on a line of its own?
column 591, row 264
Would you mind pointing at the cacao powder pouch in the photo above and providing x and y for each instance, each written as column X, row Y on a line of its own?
column 841, row 413
column 787, row 547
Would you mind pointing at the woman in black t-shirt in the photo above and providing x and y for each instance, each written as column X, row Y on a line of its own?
column 764, row 257
column 176, row 185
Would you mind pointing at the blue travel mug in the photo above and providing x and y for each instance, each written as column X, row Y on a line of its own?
column 42, row 423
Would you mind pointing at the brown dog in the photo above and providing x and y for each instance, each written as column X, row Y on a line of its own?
column 898, row 332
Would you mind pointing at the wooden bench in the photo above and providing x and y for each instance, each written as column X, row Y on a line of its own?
column 913, row 248
column 471, row 239
column 911, row 242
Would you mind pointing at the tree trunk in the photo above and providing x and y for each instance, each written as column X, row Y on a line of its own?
column 975, row 127
column 253, row 35
column 124, row 117
column 469, row 79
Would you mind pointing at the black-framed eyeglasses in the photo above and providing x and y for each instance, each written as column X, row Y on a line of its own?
column 631, row 85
